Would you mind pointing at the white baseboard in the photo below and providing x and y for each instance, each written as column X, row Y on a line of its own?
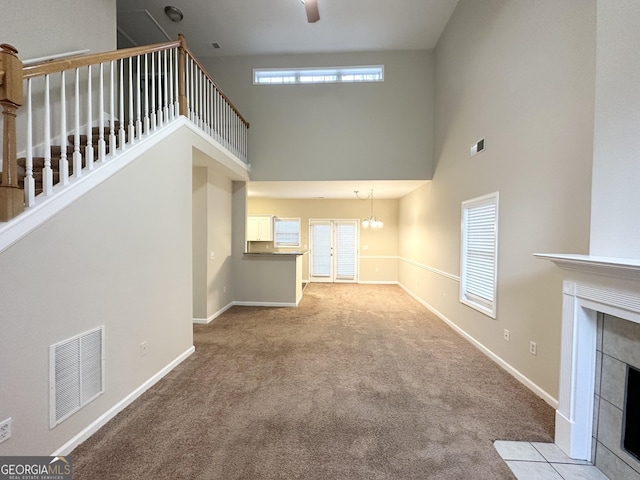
column 553, row 402
column 378, row 282
column 121, row 405
column 264, row 304
column 206, row 321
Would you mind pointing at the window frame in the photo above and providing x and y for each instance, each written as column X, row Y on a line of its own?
column 277, row 220
column 471, row 295
column 319, row 75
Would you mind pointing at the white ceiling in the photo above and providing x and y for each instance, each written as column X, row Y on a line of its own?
column 334, row 190
column 253, row 27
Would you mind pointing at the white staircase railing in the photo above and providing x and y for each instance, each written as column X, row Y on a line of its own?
column 87, row 109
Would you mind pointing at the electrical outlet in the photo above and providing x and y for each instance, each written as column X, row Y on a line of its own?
column 224, row 289
column 533, row 348
column 5, row 430
column 506, row 335
column 144, row 349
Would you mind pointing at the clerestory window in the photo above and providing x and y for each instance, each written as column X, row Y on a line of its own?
column 275, row 76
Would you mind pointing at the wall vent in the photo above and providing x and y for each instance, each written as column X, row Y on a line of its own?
column 76, row 373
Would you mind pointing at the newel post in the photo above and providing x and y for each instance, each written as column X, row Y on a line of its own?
column 11, row 195
column 182, row 70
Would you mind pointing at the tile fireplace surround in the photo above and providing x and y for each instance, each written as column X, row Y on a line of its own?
column 592, row 285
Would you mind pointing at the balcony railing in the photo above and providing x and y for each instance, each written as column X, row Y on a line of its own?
column 84, row 110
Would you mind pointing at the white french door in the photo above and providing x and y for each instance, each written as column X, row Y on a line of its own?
column 334, row 250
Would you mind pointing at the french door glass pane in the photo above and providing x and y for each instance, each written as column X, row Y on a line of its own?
column 345, row 250
column 321, row 260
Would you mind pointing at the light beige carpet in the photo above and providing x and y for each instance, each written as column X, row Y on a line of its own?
column 358, row 382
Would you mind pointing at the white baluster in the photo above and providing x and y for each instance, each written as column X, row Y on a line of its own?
column 161, row 117
column 146, row 94
column 232, row 132
column 242, row 140
column 235, row 133
column 77, row 155
column 63, row 163
column 207, row 104
column 29, row 182
column 176, row 84
column 47, row 173
column 165, row 105
column 200, row 114
column 138, row 103
column 102, row 144
column 132, row 133
column 245, row 142
column 172, row 110
column 186, row 84
column 221, row 131
column 112, row 109
column 216, row 113
column 122, row 137
column 88, row 150
column 153, row 119
column 225, row 123
column 138, row 107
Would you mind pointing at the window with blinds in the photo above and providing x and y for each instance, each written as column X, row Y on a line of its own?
column 479, row 253
column 287, row 232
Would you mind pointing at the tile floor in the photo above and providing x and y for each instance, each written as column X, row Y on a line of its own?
column 544, row 461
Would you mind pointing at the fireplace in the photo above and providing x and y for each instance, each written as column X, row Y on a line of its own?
column 631, row 432
column 600, row 346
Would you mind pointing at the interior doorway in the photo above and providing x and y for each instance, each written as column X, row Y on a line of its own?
column 333, row 248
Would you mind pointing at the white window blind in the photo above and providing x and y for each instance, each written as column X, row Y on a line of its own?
column 479, row 253
column 345, row 251
column 287, row 232
column 321, row 252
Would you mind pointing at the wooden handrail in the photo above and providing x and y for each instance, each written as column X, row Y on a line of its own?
column 55, row 66
column 206, row 73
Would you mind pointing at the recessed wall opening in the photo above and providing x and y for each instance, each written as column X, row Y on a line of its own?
column 631, row 433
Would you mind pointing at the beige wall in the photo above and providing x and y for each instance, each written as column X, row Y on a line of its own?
column 219, row 271
column 199, row 250
column 120, row 256
column 336, row 132
column 521, row 75
column 212, row 272
column 378, row 248
column 615, row 217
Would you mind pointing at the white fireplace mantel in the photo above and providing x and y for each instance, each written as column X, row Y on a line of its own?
column 592, row 284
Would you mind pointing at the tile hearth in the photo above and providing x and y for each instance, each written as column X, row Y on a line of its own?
column 544, row 461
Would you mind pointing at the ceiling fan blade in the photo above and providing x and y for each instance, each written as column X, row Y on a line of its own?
column 311, row 6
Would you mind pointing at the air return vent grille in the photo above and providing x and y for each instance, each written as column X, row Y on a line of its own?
column 76, row 374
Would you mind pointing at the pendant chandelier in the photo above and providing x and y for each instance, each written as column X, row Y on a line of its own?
column 370, row 221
